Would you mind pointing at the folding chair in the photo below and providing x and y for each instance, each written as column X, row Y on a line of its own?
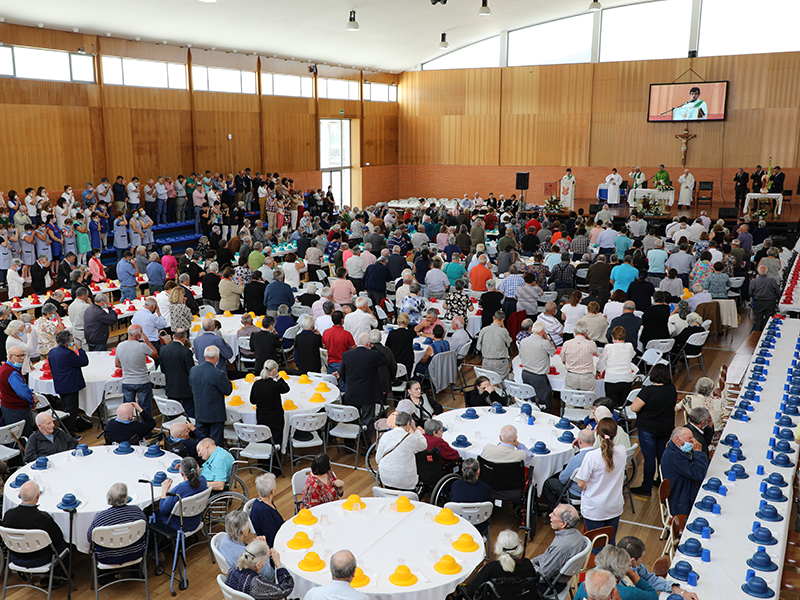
column 461, row 356
column 347, row 426
column 289, row 334
column 23, row 541
column 379, row 492
column 229, row 433
column 300, row 310
column 476, row 513
column 664, row 490
column 10, row 436
column 312, row 423
column 698, row 340
column 577, row 404
column 298, row 483
column 247, row 363
column 43, row 405
column 402, row 376
column 184, row 509
column 651, row 358
column 205, row 309
column 522, row 393
column 218, row 557
column 329, row 379
column 494, row 379
column 663, row 346
column 735, row 290
column 260, row 445
column 229, row 593
column 119, row 537
column 172, row 410
column 570, row 569
column 630, row 460
column 625, row 414
column 112, row 400
column 322, row 276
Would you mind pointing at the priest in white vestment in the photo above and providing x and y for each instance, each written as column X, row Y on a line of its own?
column 687, row 188
column 614, row 180
column 568, row 189
column 637, row 178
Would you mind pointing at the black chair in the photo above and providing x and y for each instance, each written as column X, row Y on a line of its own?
column 705, row 192
column 503, row 588
column 429, row 470
column 513, row 482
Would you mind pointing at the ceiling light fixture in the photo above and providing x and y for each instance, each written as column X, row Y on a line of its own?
column 595, row 6
column 484, row 10
column 208, row 1
column 41, row 25
column 75, row 30
column 81, row 51
column 137, row 38
column 108, row 34
column 352, row 24
column 164, row 42
column 443, row 45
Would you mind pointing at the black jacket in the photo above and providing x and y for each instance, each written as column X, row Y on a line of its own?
column 64, row 269
column 358, row 372
column 254, row 297
column 38, row 445
column 211, row 287
column 27, row 516
column 266, row 345
column 176, row 362
column 190, row 301
column 117, row 431
column 631, row 323
column 389, row 372
column 96, row 322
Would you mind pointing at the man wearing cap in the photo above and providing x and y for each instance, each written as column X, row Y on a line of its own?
column 217, row 463
column 27, row 516
column 685, row 465
column 125, row 427
column 567, row 542
column 509, row 450
column 554, row 486
column 48, row 440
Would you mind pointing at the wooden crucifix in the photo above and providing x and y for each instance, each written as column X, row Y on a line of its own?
column 684, row 138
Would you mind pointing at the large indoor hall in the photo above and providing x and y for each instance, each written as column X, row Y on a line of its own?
column 430, row 300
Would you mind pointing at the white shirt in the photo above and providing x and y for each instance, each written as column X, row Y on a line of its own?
column 616, row 362
column 572, row 314
column 162, row 298
column 359, row 322
column 291, row 276
column 395, row 456
column 355, row 267
column 150, row 323
column 612, row 310
column 133, row 193
column 670, row 229
column 716, row 255
column 695, row 229
column 602, row 499
column 323, row 323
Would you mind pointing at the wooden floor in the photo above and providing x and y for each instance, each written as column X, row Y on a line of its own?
column 644, row 523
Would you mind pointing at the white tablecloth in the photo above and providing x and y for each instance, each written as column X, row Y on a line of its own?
column 558, row 382
column 299, row 393
column 774, row 198
column 101, row 366
column 729, row 545
column 89, row 478
column 635, row 195
column 488, row 426
column 230, row 325
column 380, row 539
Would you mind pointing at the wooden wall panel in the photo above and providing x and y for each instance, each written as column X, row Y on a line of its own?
column 290, row 134
column 216, row 152
column 380, row 133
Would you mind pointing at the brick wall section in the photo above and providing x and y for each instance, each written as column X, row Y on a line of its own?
column 380, row 184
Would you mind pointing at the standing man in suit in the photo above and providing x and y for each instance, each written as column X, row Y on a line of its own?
column 210, row 386
column 776, row 181
column 509, row 450
column 176, row 362
column 185, row 282
column 359, row 372
column 266, row 344
column 740, row 183
column 756, row 179
column 208, row 338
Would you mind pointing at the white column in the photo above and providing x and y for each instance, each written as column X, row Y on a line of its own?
column 596, row 37
column 694, row 28
column 503, row 48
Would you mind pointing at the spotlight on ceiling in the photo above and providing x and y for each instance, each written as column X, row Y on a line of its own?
column 484, row 10
column 208, row 1
column 435, row 2
column 595, row 6
column 352, row 24
column 443, row 45
column 81, row 51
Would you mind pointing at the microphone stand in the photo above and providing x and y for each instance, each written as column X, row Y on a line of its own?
column 671, row 109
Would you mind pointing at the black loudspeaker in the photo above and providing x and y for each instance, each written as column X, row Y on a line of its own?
column 523, row 179
column 728, row 213
column 594, row 209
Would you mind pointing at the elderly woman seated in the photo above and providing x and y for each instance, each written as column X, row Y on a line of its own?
column 617, row 562
column 246, row 576
column 321, row 485
column 264, row 516
column 120, row 513
column 434, row 432
column 509, row 564
column 237, row 529
column 396, row 454
column 704, row 398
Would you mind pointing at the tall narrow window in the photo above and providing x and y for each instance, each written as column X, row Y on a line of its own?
column 335, row 158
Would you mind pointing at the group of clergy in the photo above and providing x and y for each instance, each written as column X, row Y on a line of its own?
column 638, row 179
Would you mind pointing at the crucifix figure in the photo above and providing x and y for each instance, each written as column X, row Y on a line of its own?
column 684, row 137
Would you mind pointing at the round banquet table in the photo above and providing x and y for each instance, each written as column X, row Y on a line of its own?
column 380, row 538
column 299, row 393
column 485, row 430
column 558, row 381
column 89, row 478
column 230, row 325
column 101, row 366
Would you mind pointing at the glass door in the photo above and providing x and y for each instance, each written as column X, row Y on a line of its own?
column 334, row 153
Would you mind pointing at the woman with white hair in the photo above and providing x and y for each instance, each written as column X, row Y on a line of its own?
column 246, row 576
column 509, row 564
column 264, row 516
column 704, row 398
column 237, row 529
column 16, row 283
column 266, row 396
column 307, row 346
column 20, row 335
column 617, row 562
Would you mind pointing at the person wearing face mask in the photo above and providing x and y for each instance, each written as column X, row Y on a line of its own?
column 121, row 235
column 685, row 465
column 135, row 231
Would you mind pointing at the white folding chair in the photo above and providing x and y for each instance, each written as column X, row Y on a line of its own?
column 735, row 291
column 205, row 309
column 402, row 375
column 379, row 492
column 229, row 593
column 697, row 340
column 570, row 569
column 298, row 310
column 10, row 435
column 312, row 424
column 298, row 483
column 651, row 358
column 347, row 426
column 260, row 444
column 24, row 541
column 112, row 400
column 245, row 362
column 118, row 537
column 43, row 405
column 494, row 378
column 229, row 433
column 707, row 324
column 521, row 392
column 476, row 513
column 626, row 415
column 172, row 410
column 289, row 334
column 630, row 460
column 577, row 404
column 322, row 275
column 329, row 379
column 215, row 542
column 664, row 346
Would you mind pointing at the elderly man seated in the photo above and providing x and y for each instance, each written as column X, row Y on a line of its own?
column 700, row 296
column 119, row 513
column 685, row 465
column 217, row 465
column 183, row 439
column 237, row 529
column 554, row 486
column 27, row 516
column 126, row 428
column 567, row 542
column 343, row 569
column 48, row 440
column 509, row 450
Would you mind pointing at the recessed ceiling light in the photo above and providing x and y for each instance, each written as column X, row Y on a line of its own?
column 484, row 10
column 595, row 6
column 108, row 34
column 188, row 45
column 2, row 19
column 75, row 30
column 164, row 42
column 40, row 25
column 235, row 51
column 443, row 45
column 213, row 47
column 352, row 24
column 137, row 38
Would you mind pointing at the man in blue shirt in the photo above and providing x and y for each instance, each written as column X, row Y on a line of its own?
column 278, row 292
column 208, row 338
column 217, row 465
column 66, row 364
column 375, row 277
column 622, row 275
column 657, row 259
column 126, row 273
column 156, row 275
column 554, row 486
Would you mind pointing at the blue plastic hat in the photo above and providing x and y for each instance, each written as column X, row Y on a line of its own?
column 785, row 434
column 774, row 494
column 791, row 410
column 175, row 466
column 712, row 485
column 784, row 446
column 526, row 409
column 20, row 480
column 40, row 464
column 698, row 524
column 83, row 448
column 159, row 478
column 761, row 561
column 785, row 421
column 769, row 513
column 729, row 439
column 681, row 570
column 776, row 479
column 470, row 413
column 737, row 452
column 540, row 448
column 567, row 437
column 123, row 448
column 762, row 536
column 739, row 470
column 461, row 441
column 691, row 547
column 68, row 502
column 706, row 504
column 563, row 424
column 781, row 460
column 497, row 408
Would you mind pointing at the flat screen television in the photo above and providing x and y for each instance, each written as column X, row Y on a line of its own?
column 670, row 102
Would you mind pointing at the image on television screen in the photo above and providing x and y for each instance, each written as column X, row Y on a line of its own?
column 688, row 101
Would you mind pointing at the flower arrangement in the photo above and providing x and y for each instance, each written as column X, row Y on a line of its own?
column 649, row 207
column 553, row 204
column 761, row 213
column 662, row 186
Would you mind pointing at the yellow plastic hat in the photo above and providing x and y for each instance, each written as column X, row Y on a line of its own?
column 249, row 378
column 447, row 565
column 322, row 387
column 300, row 541
column 351, row 501
column 403, row 504
column 304, row 517
column 311, row 562
column 283, row 375
column 403, row 576
column 195, row 327
column 317, row 398
column 686, row 294
column 359, row 579
column 195, row 318
column 236, row 401
column 227, row 313
column 446, row 517
column 252, row 314
column 289, row 405
column 233, row 385
column 465, row 543
column 304, row 379
column 209, row 315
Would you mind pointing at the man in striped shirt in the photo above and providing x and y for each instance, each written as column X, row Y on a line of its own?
column 120, row 513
